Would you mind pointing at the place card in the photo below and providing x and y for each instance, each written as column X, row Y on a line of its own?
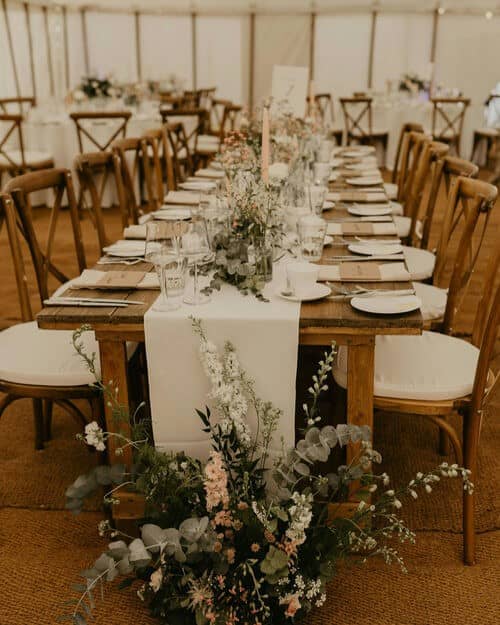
column 357, row 196
column 360, row 272
column 361, row 228
column 120, row 280
column 387, row 272
column 115, row 280
column 187, row 198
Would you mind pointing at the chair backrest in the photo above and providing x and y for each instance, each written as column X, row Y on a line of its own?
column 135, row 169
column 11, row 138
column 181, row 150
column 195, row 122
column 162, row 164
column 407, row 127
column 429, row 154
column 42, row 248
column 445, row 171
column 205, row 97
column 230, row 119
column 217, row 114
column 17, row 105
column 94, row 170
column 448, row 117
column 413, row 142
column 469, row 200
column 357, row 117
column 324, row 105
column 98, row 129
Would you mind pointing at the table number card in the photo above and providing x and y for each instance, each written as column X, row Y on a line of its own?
column 290, row 85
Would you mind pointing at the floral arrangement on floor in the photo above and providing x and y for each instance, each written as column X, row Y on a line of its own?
column 251, row 536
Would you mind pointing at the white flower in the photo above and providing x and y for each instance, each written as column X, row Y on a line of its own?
column 94, row 436
column 78, row 95
column 156, row 580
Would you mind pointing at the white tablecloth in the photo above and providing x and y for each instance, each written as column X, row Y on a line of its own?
column 265, row 336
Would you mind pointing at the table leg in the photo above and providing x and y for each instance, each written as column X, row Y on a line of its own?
column 360, row 379
column 114, row 374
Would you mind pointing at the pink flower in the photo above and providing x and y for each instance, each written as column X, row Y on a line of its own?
column 255, row 547
column 293, row 606
column 216, row 482
column 230, row 554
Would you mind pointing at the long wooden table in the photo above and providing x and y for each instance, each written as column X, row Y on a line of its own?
column 321, row 323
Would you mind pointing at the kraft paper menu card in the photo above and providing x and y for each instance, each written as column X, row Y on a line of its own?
column 357, row 196
column 361, row 228
column 182, row 197
column 115, row 280
column 362, row 272
column 351, row 272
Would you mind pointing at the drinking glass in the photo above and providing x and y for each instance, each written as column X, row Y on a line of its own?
column 163, row 251
column 195, row 246
column 322, row 173
column 316, row 194
column 312, row 231
column 325, row 151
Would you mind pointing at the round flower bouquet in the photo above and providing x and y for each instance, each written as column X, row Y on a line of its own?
column 250, row 536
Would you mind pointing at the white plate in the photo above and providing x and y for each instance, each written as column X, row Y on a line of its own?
column 174, row 214
column 369, row 211
column 318, row 291
column 364, row 181
column 200, row 185
column 328, row 240
column 125, row 250
column 386, row 305
column 375, row 249
column 327, row 205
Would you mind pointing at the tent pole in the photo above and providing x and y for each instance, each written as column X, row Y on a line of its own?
column 312, row 45
column 138, row 57
column 372, row 49
column 66, row 45
column 30, row 48
column 11, row 48
column 194, row 50
column 251, row 63
column 49, row 51
column 435, row 24
column 85, row 41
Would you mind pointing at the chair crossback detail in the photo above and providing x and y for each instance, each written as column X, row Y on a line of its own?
column 87, row 123
column 357, row 117
column 135, row 169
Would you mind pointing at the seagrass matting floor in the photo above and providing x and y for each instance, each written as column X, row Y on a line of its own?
column 42, row 547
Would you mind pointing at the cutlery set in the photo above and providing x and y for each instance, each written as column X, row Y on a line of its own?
column 91, row 301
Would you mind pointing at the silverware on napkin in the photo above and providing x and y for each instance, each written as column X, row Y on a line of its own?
column 89, row 301
column 357, row 259
column 374, row 293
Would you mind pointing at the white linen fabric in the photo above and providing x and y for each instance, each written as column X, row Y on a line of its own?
column 391, row 190
column 29, row 355
column 429, row 367
column 420, row 263
column 384, row 228
column 433, row 300
column 397, row 208
column 389, row 272
column 265, row 336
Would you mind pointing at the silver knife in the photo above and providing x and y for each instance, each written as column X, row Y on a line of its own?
column 358, row 259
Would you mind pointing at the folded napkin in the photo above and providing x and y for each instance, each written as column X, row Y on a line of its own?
column 135, row 232
column 361, row 228
column 364, row 272
column 197, row 185
column 132, row 248
column 95, row 279
column 187, row 198
column 360, row 195
column 209, row 172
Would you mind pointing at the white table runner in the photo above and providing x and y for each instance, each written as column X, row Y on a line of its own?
column 265, row 336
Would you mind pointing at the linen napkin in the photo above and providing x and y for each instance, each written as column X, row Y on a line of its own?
column 187, row 198
column 376, row 195
column 135, row 232
column 364, row 272
column 95, row 279
column 125, row 247
column 209, row 172
column 365, row 228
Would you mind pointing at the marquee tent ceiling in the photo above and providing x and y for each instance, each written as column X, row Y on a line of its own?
column 274, row 6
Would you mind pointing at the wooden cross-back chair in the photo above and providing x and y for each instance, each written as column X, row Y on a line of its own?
column 230, row 119
column 20, row 105
column 88, row 123
column 326, row 110
column 135, row 169
column 406, row 127
column 446, row 170
column 14, row 158
column 196, row 127
column 448, row 120
column 205, row 97
column 217, row 115
column 41, row 364
column 411, row 147
column 181, row 151
column 488, row 136
column 93, row 169
column 161, row 163
column 358, row 119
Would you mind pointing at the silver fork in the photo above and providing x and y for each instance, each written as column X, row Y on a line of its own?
column 127, row 261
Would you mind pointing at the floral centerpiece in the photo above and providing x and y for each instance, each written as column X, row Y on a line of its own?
column 413, row 84
column 93, row 87
column 250, row 536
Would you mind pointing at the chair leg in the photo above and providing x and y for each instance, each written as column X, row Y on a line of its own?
column 48, row 404
column 471, row 430
column 39, row 426
column 6, row 401
column 444, row 442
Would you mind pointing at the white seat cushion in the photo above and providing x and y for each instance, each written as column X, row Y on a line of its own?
column 391, row 190
column 355, row 132
column 433, row 300
column 403, row 225
column 429, row 367
column 29, row 355
column 397, row 208
column 30, row 157
column 420, row 263
column 492, row 132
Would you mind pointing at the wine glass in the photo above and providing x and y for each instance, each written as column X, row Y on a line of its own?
column 195, row 246
column 316, row 194
column 163, row 251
